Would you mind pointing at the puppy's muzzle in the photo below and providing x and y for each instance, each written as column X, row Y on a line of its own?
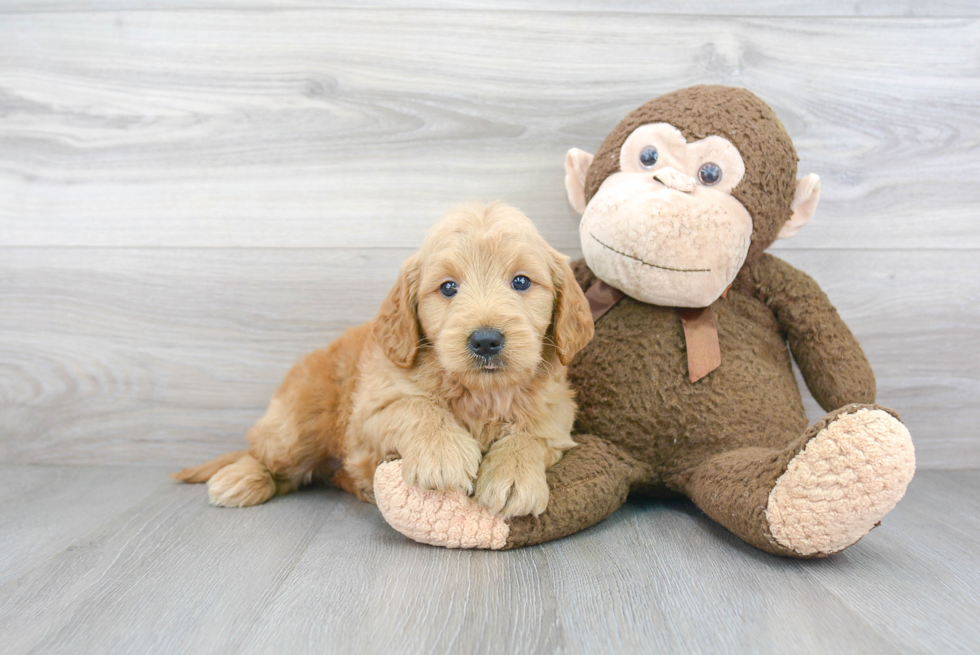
column 486, row 342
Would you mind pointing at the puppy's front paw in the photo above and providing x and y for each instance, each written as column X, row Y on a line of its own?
column 511, row 485
column 442, row 462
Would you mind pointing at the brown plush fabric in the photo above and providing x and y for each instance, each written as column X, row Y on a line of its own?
column 833, row 365
column 733, row 488
column 583, row 274
column 587, row 485
column 724, row 440
column 633, row 387
column 738, row 115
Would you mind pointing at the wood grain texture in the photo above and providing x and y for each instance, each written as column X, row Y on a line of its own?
column 46, row 509
column 905, row 8
column 342, row 127
column 161, row 355
column 121, row 355
column 319, row 571
column 192, row 199
column 925, row 534
column 194, row 194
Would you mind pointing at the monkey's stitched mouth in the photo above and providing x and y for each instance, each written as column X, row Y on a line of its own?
column 665, row 268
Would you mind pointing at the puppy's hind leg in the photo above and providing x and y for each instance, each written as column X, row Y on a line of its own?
column 203, row 472
column 302, row 429
column 280, row 458
column 234, row 479
column 253, row 476
column 242, row 484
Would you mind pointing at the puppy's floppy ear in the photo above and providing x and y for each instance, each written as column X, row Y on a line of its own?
column 396, row 327
column 572, row 323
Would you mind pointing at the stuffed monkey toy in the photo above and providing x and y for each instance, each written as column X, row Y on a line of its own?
column 687, row 386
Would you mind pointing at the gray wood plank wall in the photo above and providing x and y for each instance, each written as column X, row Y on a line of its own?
column 194, row 196
column 904, row 8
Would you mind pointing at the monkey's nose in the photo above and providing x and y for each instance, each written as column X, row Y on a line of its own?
column 674, row 179
column 486, row 342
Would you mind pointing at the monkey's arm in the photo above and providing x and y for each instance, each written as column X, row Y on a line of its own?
column 587, row 485
column 832, row 363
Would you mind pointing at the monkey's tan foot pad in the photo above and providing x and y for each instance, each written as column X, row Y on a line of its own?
column 439, row 518
column 849, row 475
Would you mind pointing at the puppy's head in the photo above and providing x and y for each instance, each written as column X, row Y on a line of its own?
column 491, row 298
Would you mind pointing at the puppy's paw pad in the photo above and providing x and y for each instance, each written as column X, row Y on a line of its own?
column 439, row 518
column 845, row 480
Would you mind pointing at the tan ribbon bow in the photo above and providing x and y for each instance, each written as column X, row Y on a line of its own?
column 700, row 330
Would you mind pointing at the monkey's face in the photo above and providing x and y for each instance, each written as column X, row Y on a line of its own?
column 665, row 229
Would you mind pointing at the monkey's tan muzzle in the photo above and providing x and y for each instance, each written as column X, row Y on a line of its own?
column 674, row 179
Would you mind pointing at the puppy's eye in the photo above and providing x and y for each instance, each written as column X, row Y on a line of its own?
column 448, row 288
column 709, row 174
column 520, row 283
column 649, row 157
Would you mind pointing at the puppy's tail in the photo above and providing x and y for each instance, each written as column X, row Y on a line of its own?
column 203, row 472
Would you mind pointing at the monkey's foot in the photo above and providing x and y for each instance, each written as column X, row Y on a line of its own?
column 439, row 518
column 847, row 477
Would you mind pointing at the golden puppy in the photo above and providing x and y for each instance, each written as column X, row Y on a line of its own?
column 461, row 374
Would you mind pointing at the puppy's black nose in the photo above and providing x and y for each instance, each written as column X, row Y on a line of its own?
column 486, row 342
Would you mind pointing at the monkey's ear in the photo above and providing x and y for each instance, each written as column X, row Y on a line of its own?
column 804, row 204
column 577, row 164
column 572, row 323
column 396, row 327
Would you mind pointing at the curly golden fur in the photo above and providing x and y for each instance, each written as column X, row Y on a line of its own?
column 408, row 384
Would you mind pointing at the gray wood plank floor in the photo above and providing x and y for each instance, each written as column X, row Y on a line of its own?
column 158, row 571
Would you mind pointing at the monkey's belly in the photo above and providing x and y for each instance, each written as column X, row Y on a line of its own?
column 633, row 386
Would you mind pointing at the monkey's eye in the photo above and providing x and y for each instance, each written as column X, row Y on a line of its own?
column 520, row 283
column 448, row 288
column 709, row 174
column 649, row 157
